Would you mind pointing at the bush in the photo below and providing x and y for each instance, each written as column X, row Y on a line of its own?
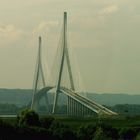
column 61, row 131
column 86, row 132
column 7, row 131
column 138, row 136
column 127, row 133
column 47, row 122
column 109, row 131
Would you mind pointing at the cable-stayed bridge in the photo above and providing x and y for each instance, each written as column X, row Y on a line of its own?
column 62, row 81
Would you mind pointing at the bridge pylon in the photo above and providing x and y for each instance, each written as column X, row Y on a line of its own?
column 64, row 57
column 38, row 80
column 77, row 105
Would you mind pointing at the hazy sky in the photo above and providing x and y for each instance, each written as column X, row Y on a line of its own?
column 104, row 34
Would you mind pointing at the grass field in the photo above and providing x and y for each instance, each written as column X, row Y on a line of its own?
column 117, row 122
column 76, row 122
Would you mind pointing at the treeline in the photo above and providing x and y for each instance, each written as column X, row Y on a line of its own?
column 127, row 109
column 123, row 109
column 28, row 125
column 10, row 109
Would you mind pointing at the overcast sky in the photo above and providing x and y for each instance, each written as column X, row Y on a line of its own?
column 104, row 35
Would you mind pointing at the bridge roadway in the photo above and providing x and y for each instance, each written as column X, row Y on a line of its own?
column 92, row 105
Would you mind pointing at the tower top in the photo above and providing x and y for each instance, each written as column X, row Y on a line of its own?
column 39, row 37
column 65, row 14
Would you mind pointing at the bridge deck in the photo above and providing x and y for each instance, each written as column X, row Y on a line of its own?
column 92, row 105
column 88, row 103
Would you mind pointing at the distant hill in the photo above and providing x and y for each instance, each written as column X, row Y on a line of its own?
column 19, row 97
column 22, row 97
column 113, row 99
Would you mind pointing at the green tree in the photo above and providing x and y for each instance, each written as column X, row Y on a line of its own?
column 28, row 117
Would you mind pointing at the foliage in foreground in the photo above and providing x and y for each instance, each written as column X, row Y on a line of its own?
column 29, row 125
